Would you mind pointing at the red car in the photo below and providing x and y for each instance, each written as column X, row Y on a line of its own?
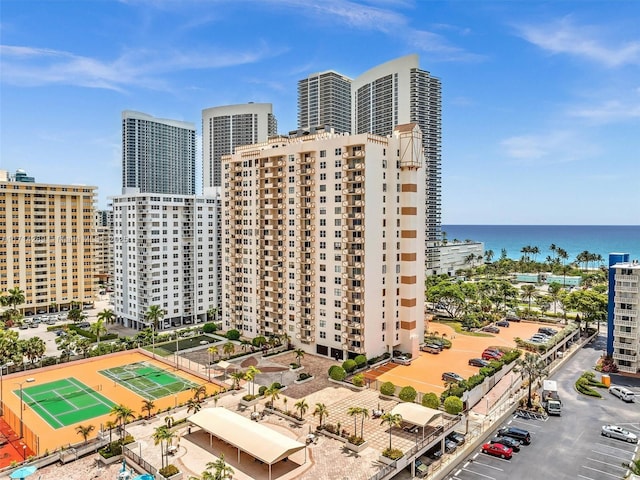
column 498, row 450
column 490, row 354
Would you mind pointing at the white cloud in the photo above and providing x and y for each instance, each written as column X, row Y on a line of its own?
column 549, row 148
column 564, row 36
column 608, row 111
column 30, row 66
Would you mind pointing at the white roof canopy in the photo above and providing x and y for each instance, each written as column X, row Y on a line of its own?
column 253, row 438
column 223, row 364
column 416, row 414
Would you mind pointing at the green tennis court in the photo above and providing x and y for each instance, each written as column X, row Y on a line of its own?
column 65, row 402
column 148, row 381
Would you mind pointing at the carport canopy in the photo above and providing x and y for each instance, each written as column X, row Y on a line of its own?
column 253, row 438
column 416, row 414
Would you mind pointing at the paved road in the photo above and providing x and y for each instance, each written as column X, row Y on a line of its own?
column 570, row 446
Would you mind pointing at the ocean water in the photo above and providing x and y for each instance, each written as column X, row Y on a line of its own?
column 599, row 239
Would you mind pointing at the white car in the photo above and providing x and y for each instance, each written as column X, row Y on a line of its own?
column 623, row 393
column 613, row 431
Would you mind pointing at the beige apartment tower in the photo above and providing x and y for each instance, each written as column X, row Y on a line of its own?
column 47, row 248
column 324, row 241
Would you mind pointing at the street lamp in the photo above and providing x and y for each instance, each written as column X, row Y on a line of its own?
column 28, row 380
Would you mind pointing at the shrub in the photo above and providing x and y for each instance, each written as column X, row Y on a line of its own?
column 453, row 405
column 358, row 380
column 249, row 397
column 168, row 471
column 430, row 400
column 360, row 360
column 408, row 394
column 233, row 335
column 387, row 388
column 487, row 371
column 355, row 440
column 261, row 390
column 338, row 373
column 304, row 376
column 349, row 365
column 475, row 380
column 209, row 327
column 259, row 341
column 511, row 356
column 392, row 453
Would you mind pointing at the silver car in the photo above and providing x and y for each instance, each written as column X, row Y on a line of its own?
column 614, row 431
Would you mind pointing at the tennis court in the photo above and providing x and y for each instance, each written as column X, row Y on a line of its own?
column 65, row 402
column 147, row 380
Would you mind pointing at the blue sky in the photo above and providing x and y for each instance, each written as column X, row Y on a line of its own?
column 541, row 100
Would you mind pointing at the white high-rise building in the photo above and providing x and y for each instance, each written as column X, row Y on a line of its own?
column 164, row 255
column 158, row 155
column 390, row 94
column 323, row 241
column 224, row 128
column 623, row 342
column 324, row 100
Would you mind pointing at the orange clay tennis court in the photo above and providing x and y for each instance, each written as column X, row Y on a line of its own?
column 40, row 436
column 425, row 372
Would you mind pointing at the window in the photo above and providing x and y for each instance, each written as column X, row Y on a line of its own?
column 323, row 153
column 336, row 338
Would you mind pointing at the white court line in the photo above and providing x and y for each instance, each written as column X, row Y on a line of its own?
column 90, row 393
column 615, row 448
column 600, row 471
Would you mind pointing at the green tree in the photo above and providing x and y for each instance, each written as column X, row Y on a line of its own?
column 299, row 353
column 321, row 411
column 273, row 392
column 162, row 435
column 221, row 471
column 98, row 329
column 591, row 304
column 555, row 291
column 431, row 400
column 34, row 349
column 236, row 377
column 250, row 376
column 528, row 292
column 194, row 405
column 148, row 405
column 212, row 351
column 122, row 414
column 532, row 368
column 154, row 316
column 14, row 297
column 228, row 349
column 354, row 412
column 301, row 406
column 453, row 405
column 107, row 316
column 84, row 431
column 76, row 315
column 393, row 420
column 199, row 392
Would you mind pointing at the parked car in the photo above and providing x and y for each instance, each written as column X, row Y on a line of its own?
column 421, row 468
column 431, row 348
column 452, row 377
column 498, row 450
column 402, row 360
column 622, row 393
column 503, row 323
column 548, row 331
column 614, row 431
column 23, row 326
column 491, row 329
column 491, row 354
column 84, row 325
column 456, row 437
column 478, row 362
column 514, row 432
column 34, row 325
column 508, row 442
column 512, row 317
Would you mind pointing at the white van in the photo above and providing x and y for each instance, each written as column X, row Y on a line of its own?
column 622, row 393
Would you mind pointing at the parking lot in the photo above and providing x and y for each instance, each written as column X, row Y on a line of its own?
column 570, row 446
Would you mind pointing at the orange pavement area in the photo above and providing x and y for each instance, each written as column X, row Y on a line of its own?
column 86, row 371
column 425, row 373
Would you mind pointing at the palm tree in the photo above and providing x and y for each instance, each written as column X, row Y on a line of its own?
column 274, row 393
column 169, row 421
column 148, row 405
column 528, row 291
column 154, row 316
column 393, row 420
column 85, row 431
column 555, row 292
column 534, row 368
column 110, row 425
column 222, row 471
column 354, row 412
column 299, row 353
column 228, row 349
column 250, row 376
column 199, row 391
column 322, row 411
column 564, row 256
column 285, row 338
column 122, row 414
column 98, row 329
column 161, row 435
column 236, row 377
column 76, row 315
column 14, row 297
column 194, row 405
column 365, row 414
column 107, row 316
column 302, row 406
column 212, row 351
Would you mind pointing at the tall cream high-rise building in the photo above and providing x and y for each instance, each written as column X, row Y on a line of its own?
column 47, row 243
column 387, row 95
column 226, row 127
column 324, row 241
